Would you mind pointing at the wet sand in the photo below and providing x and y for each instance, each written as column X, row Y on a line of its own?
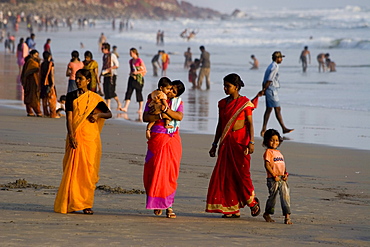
column 330, row 191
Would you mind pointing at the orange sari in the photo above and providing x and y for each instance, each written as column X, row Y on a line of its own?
column 81, row 165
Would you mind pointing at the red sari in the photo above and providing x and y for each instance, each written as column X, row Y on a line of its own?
column 162, row 165
column 230, row 187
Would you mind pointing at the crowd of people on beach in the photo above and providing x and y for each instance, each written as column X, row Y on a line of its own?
column 230, row 187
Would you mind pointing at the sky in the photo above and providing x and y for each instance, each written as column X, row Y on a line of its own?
column 228, row 6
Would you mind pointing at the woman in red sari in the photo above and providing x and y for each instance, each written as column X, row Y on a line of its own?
column 231, row 187
column 162, row 161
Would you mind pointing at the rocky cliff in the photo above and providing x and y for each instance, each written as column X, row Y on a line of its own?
column 136, row 9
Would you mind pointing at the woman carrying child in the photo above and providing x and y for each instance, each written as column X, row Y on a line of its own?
column 162, row 161
column 277, row 176
column 230, row 187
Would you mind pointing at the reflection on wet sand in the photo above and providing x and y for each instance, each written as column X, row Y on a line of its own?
column 197, row 109
column 10, row 85
column 124, row 115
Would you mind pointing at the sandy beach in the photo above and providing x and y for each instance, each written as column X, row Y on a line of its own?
column 329, row 191
column 330, row 188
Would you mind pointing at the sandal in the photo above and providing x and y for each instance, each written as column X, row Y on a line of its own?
column 229, row 216
column 170, row 213
column 256, row 209
column 158, row 212
column 88, row 211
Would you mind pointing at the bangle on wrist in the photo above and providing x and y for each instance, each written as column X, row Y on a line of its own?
column 147, row 129
column 165, row 109
column 251, row 142
column 214, row 144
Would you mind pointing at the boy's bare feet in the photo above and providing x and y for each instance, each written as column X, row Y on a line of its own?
column 268, row 218
column 123, row 109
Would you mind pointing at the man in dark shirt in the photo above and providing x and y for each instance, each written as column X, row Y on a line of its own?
column 205, row 68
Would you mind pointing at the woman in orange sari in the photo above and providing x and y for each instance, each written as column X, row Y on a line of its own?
column 230, row 187
column 162, row 161
column 30, row 79
column 85, row 114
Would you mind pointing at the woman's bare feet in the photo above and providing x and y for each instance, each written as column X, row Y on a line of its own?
column 123, row 109
column 268, row 218
column 157, row 212
column 288, row 221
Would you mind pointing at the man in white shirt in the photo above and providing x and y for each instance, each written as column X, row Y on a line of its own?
column 109, row 72
column 270, row 87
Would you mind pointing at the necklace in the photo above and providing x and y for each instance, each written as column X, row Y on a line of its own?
column 87, row 103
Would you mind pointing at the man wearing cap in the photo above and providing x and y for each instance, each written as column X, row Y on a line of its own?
column 270, row 87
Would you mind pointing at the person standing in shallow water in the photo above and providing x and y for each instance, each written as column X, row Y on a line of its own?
column 303, row 58
column 86, row 112
column 255, row 63
column 231, row 187
column 270, row 87
column 205, row 68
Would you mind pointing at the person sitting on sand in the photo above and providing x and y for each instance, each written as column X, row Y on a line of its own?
column 159, row 96
column 277, row 176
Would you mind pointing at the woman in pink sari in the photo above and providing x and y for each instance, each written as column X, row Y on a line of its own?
column 162, row 161
column 22, row 53
column 230, row 187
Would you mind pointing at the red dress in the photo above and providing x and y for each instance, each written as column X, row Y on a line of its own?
column 230, row 187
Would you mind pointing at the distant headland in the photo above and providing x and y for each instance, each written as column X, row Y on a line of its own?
column 107, row 9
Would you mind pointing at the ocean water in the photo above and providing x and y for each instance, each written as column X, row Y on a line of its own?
column 323, row 108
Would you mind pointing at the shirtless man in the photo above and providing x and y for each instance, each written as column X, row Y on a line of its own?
column 321, row 61
column 303, row 58
column 102, row 39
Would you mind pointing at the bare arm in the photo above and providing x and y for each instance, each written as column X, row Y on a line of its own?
column 157, row 109
column 71, row 135
column 68, row 72
column 249, row 123
column 218, row 134
column 93, row 117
